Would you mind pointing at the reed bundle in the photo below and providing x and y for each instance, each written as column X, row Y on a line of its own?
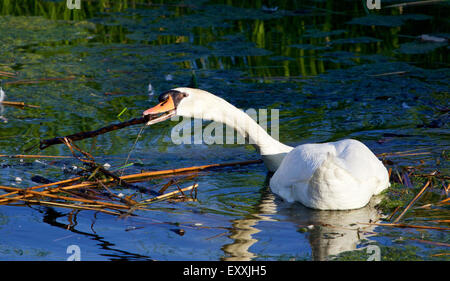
column 81, row 194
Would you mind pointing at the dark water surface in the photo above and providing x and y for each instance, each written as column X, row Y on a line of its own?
column 333, row 69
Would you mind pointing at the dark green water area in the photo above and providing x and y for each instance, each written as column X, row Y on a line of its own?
column 334, row 69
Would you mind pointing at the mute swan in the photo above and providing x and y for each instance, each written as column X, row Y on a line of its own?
column 337, row 175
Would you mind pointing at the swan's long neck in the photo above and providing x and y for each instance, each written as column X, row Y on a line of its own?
column 250, row 129
column 218, row 110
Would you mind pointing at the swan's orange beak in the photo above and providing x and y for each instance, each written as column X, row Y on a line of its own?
column 162, row 111
column 162, row 107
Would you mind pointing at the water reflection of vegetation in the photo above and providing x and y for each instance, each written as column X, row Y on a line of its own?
column 312, row 25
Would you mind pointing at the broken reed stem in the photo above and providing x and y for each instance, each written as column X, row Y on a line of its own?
column 416, row 3
column 9, row 74
column 33, row 156
column 167, row 195
column 393, row 213
column 189, row 169
column 72, row 206
column 413, row 201
column 404, row 153
column 445, row 201
column 388, row 73
column 433, row 175
column 37, row 187
column 84, row 135
column 18, row 104
column 407, row 225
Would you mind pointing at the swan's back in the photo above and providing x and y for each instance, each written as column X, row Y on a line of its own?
column 330, row 176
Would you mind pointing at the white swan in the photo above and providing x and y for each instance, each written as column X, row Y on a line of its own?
column 338, row 175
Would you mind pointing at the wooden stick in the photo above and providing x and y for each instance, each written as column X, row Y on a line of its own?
column 412, row 201
column 84, row 135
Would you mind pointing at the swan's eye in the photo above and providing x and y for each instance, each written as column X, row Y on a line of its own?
column 163, row 97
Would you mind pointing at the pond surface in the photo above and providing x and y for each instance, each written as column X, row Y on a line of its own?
column 333, row 69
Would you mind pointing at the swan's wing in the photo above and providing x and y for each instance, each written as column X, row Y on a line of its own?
column 298, row 167
column 350, row 166
column 359, row 161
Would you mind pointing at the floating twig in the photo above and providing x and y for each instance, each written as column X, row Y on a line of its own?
column 411, row 152
column 401, row 225
column 412, row 201
column 189, row 169
column 440, row 254
column 7, row 74
column 167, row 195
column 72, row 206
column 416, row 3
column 431, row 242
column 442, row 202
column 388, row 73
column 33, row 156
column 18, row 104
column 393, row 213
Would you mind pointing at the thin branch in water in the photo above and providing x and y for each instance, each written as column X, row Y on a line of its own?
column 417, row 3
column 401, row 225
column 33, row 156
column 167, row 195
column 7, row 74
column 20, row 104
column 413, row 201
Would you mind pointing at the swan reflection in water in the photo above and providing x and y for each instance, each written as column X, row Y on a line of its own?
column 329, row 232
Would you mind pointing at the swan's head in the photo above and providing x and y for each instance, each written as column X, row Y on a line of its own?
column 186, row 102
